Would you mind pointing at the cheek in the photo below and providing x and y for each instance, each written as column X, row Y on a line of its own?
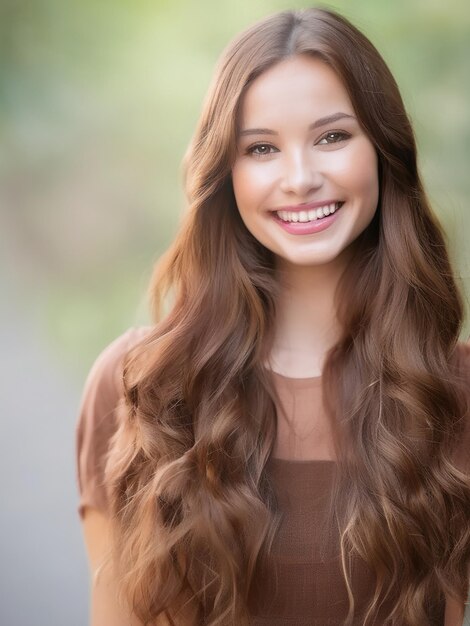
column 371, row 181
column 240, row 184
column 364, row 170
column 250, row 184
column 358, row 175
column 243, row 183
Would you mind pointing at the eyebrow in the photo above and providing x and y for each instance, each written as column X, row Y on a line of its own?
column 329, row 119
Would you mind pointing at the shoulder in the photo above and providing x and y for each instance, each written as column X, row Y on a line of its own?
column 97, row 415
column 105, row 373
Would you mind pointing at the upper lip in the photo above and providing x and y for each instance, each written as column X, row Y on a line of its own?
column 307, row 206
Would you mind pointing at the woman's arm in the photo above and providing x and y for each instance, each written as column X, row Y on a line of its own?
column 104, row 608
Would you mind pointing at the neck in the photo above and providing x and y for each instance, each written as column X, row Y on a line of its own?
column 306, row 323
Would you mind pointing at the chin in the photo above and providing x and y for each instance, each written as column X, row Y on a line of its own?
column 305, row 261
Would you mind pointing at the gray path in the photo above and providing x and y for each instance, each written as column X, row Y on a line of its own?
column 43, row 572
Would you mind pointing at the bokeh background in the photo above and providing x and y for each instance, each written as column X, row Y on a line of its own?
column 98, row 101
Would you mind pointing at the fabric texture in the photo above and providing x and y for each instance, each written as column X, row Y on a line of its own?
column 301, row 581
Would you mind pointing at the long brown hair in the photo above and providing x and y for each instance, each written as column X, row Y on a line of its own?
column 193, row 508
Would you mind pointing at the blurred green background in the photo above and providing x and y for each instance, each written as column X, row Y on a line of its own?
column 98, row 101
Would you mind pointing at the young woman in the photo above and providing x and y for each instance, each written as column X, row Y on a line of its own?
column 289, row 443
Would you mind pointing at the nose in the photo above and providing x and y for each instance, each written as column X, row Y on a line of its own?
column 300, row 174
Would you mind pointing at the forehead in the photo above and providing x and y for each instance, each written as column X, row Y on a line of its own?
column 292, row 86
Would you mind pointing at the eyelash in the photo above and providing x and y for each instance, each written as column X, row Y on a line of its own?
column 250, row 149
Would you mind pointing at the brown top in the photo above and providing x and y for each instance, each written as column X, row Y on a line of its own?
column 301, row 584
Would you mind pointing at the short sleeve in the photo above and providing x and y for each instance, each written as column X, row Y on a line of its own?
column 97, row 421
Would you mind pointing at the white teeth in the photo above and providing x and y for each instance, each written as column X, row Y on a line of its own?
column 312, row 215
column 308, row 216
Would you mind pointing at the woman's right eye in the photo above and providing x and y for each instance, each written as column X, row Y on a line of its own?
column 262, row 147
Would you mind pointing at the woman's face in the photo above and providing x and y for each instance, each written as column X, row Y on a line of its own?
column 291, row 161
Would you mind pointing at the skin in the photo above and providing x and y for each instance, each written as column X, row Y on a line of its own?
column 296, row 165
column 104, row 608
column 301, row 166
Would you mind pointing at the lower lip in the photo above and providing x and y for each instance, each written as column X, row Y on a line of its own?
column 307, row 228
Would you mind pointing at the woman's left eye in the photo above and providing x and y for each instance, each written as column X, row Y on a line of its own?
column 335, row 133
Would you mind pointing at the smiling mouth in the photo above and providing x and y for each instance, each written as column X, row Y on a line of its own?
column 310, row 215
